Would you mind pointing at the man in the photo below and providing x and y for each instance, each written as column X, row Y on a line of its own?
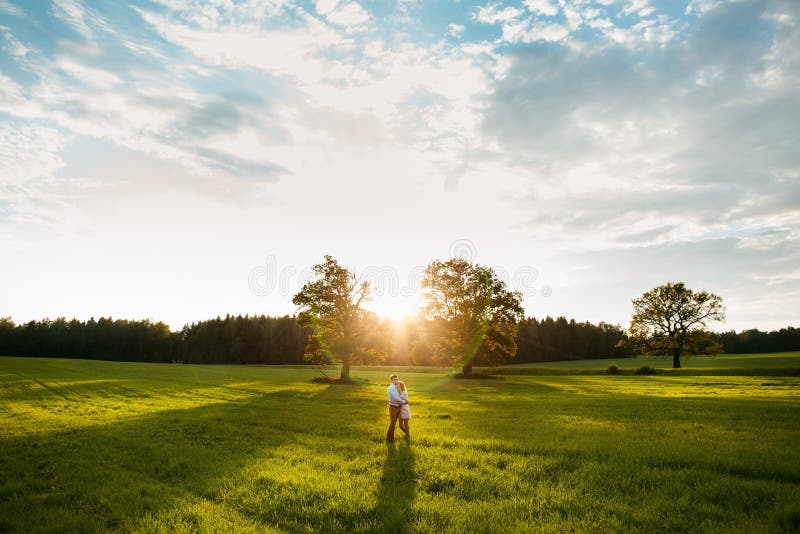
column 395, row 403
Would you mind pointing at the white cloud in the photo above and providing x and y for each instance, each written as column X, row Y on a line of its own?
column 239, row 12
column 30, row 156
column 325, row 6
column 641, row 7
column 591, row 13
column 660, row 33
column 621, row 35
column 74, row 14
column 292, row 52
column 601, row 24
column 546, row 32
column 455, row 30
column 512, row 31
column 351, row 16
column 96, row 78
column 29, row 151
column 13, row 46
column 574, row 17
column 701, row 6
column 533, row 31
column 491, row 14
column 207, row 17
column 11, row 9
column 474, row 49
column 15, row 102
column 542, row 7
column 654, row 31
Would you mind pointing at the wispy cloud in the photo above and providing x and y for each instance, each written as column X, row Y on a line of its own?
column 29, row 151
column 74, row 14
column 492, row 14
column 455, row 30
column 10, row 9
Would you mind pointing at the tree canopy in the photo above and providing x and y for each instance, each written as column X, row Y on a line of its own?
column 473, row 316
column 671, row 320
column 342, row 331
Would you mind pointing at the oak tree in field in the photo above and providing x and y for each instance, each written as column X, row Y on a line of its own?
column 342, row 331
column 471, row 312
column 670, row 320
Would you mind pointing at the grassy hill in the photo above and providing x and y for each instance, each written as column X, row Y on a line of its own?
column 112, row 446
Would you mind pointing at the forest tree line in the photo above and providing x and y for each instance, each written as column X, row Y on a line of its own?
column 281, row 340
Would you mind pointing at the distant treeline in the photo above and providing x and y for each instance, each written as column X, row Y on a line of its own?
column 551, row 339
column 102, row 339
column 755, row 341
column 253, row 340
column 281, row 340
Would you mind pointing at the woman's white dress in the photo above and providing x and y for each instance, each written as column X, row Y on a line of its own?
column 405, row 411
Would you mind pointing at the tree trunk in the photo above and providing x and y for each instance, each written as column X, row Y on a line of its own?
column 467, row 371
column 346, row 368
column 676, row 361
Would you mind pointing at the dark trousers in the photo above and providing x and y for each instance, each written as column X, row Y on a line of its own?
column 404, row 426
column 394, row 414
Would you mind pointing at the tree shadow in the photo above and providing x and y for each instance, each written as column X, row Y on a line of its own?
column 109, row 476
column 398, row 489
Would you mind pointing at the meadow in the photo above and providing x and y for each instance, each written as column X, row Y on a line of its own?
column 747, row 363
column 130, row 447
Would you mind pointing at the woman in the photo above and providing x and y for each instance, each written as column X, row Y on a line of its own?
column 405, row 411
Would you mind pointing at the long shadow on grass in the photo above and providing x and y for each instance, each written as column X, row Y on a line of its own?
column 107, row 477
column 397, row 490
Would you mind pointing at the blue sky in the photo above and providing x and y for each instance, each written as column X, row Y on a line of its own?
column 178, row 159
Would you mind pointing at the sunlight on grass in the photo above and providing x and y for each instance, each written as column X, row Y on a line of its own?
column 88, row 446
column 716, row 362
column 675, row 386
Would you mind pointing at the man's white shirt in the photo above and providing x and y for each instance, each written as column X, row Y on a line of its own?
column 394, row 396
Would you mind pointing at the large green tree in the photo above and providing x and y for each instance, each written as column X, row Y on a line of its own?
column 670, row 320
column 342, row 331
column 473, row 316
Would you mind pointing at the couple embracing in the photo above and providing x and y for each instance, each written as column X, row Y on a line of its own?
column 398, row 407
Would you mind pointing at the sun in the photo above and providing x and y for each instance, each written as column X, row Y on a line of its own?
column 394, row 307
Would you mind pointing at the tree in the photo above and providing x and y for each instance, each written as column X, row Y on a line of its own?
column 671, row 319
column 8, row 345
column 341, row 330
column 473, row 317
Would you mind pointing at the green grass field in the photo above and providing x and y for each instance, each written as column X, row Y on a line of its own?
column 726, row 362
column 106, row 446
column 778, row 363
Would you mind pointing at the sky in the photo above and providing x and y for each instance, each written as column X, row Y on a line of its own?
column 178, row 160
